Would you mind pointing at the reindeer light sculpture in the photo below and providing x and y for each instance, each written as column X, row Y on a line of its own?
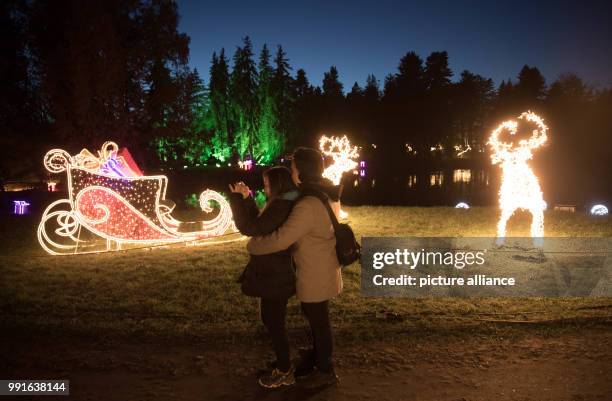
column 519, row 185
column 342, row 153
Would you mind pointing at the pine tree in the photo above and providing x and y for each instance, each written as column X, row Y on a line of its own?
column 371, row 91
column 356, row 93
column 531, row 87
column 437, row 78
column 332, row 87
column 301, row 85
column 243, row 93
column 110, row 68
column 409, row 82
column 437, row 72
column 197, row 149
column 219, row 121
column 472, row 105
column 268, row 142
column 284, row 95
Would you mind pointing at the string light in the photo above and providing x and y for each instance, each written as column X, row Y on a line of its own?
column 343, row 155
column 461, row 150
column 109, row 197
column 599, row 210
column 21, row 207
column 245, row 165
column 519, row 186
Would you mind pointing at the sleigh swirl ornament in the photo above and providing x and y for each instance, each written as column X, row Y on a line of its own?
column 112, row 206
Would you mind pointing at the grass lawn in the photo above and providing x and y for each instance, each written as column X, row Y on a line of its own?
column 188, row 293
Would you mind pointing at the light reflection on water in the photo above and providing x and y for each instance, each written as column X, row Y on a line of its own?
column 436, row 179
column 462, row 175
column 412, row 180
column 434, row 187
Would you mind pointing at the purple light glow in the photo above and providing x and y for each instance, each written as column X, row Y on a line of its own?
column 21, row 207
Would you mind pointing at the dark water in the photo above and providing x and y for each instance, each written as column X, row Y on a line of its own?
column 444, row 187
column 474, row 186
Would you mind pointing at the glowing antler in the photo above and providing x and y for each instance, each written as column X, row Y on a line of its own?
column 342, row 153
column 519, row 187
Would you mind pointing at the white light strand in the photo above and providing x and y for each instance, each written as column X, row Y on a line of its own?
column 120, row 209
column 519, row 185
column 342, row 153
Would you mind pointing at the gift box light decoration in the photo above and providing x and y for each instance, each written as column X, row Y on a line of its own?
column 21, row 207
column 343, row 155
column 110, row 199
column 246, row 164
column 519, row 185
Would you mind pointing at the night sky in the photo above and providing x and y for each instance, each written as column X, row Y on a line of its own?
column 487, row 38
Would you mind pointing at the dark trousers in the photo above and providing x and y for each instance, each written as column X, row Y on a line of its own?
column 317, row 314
column 273, row 312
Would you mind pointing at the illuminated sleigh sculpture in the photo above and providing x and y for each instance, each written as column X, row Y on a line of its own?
column 114, row 206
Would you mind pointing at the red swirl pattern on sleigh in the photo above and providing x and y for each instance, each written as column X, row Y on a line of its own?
column 110, row 199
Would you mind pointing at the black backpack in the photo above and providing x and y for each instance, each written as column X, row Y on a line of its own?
column 348, row 249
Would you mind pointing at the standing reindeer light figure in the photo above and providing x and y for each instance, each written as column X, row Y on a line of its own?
column 342, row 153
column 519, row 186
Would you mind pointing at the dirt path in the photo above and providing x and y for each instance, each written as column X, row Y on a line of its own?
column 533, row 366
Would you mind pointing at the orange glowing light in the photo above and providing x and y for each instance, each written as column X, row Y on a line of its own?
column 520, row 188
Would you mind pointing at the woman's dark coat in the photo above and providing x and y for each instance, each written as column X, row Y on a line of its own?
column 272, row 275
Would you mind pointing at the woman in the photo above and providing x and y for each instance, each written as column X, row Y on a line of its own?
column 318, row 276
column 272, row 276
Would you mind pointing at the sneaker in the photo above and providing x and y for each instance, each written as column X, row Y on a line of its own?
column 323, row 379
column 277, row 378
column 306, row 365
column 270, row 365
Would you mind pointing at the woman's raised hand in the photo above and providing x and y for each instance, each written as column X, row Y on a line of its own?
column 241, row 188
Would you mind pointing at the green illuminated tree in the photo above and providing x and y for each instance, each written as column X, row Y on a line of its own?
column 219, row 111
column 283, row 91
column 243, row 93
column 268, row 142
column 195, row 143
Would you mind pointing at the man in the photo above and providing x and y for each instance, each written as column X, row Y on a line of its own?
column 318, row 276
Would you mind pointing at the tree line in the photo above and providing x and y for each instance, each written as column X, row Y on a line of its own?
column 79, row 74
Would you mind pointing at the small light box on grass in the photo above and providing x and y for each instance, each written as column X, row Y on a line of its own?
column 21, row 207
column 565, row 208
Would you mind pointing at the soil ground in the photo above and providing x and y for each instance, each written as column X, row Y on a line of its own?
column 513, row 364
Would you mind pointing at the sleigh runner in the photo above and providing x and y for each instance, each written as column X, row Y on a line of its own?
column 111, row 205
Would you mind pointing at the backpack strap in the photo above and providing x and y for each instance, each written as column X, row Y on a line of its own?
column 325, row 200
